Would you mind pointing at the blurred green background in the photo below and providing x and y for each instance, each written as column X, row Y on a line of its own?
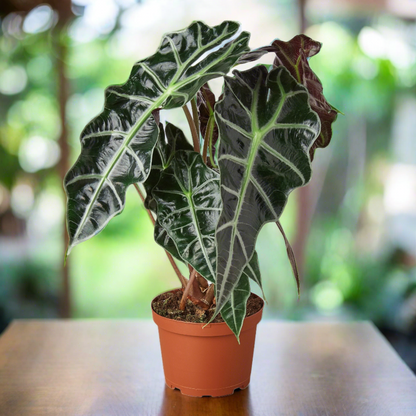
column 353, row 227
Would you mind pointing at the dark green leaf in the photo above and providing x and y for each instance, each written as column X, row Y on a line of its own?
column 157, row 167
column 167, row 145
column 255, row 54
column 117, row 145
column 266, row 129
column 252, row 270
column 234, row 310
column 188, row 207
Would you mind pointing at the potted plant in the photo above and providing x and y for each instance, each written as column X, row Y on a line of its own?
column 208, row 198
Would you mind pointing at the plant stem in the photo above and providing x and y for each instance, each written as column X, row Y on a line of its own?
column 181, row 277
column 195, row 135
column 211, row 156
column 187, row 290
column 195, row 114
column 142, row 198
column 291, row 256
column 209, row 294
column 207, row 139
column 201, row 281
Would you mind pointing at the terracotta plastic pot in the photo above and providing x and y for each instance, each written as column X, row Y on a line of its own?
column 206, row 361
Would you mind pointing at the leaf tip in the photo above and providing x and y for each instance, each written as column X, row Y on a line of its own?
column 211, row 320
column 263, row 295
column 67, row 252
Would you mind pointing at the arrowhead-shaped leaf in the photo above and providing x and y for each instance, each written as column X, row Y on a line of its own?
column 188, row 207
column 117, row 146
column 266, row 128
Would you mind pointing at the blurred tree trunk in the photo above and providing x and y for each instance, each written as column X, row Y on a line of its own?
column 63, row 165
column 63, row 91
column 303, row 215
column 303, row 23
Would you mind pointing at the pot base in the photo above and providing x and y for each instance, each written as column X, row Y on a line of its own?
column 226, row 391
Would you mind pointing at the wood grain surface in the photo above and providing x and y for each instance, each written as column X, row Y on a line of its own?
column 105, row 367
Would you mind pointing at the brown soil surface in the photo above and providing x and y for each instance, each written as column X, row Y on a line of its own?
column 167, row 305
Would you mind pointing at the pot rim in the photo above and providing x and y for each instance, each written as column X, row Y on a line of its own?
column 203, row 329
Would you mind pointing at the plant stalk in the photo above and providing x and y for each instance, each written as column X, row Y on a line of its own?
column 207, row 139
column 209, row 295
column 211, row 156
column 182, row 305
column 195, row 115
column 202, row 281
column 195, row 135
column 291, row 256
column 181, row 277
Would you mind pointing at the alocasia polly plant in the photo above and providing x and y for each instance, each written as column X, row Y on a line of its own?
column 208, row 200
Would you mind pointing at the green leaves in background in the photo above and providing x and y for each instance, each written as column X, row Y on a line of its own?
column 117, row 146
column 188, row 207
column 267, row 128
column 9, row 164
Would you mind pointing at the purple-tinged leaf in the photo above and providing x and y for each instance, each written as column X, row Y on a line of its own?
column 206, row 102
column 294, row 55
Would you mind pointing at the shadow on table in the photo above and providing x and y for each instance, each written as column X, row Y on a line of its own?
column 175, row 403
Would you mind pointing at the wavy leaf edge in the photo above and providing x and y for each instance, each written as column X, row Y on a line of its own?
column 219, row 291
column 219, row 54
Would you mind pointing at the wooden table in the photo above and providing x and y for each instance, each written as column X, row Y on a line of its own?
column 110, row 367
